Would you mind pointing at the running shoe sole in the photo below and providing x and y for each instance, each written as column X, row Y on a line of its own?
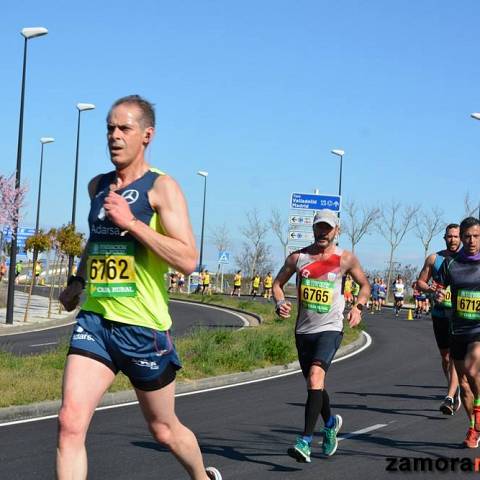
column 298, row 455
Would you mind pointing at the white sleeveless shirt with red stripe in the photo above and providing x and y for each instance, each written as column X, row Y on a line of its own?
column 320, row 299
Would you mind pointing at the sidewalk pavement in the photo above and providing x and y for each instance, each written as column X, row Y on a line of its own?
column 37, row 317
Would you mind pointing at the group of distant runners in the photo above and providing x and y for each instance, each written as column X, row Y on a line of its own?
column 256, row 281
column 139, row 228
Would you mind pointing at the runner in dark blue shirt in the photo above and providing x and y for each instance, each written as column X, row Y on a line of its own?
column 427, row 282
column 462, row 274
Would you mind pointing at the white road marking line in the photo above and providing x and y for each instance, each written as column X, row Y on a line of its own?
column 27, row 420
column 43, row 344
column 41, row 329
column 362, row 431
column 206, row 390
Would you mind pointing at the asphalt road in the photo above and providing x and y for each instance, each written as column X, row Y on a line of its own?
column 390, row 392
column 185, row 317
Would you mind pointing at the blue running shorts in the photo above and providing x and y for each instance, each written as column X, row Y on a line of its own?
column 145, row 355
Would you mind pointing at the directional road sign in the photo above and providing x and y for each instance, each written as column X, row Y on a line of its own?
column 22, row 234
column 310, row 201
column 223, row 257
column 300, row 235
column 300, row 220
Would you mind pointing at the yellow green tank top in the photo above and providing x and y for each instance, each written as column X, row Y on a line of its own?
column 126, row 280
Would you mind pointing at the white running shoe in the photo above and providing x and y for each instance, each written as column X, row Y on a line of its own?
column 213, row 473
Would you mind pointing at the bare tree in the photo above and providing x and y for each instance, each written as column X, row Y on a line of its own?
column 255, row 255
column 220, row 237
column 469, row 207
column 393, row 224
column 280, row 228
column 428, row 225
column 409, row 274
column 356, row 223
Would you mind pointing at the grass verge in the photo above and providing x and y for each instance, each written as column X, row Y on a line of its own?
column 204, row 353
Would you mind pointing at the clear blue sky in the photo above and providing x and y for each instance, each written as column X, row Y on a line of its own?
column 257, row 93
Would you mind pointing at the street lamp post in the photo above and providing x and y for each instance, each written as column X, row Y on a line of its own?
column 81, row 107
column 339, row 153
column 204, row 175
column 27, row 33
column 476, row 116
column 43, row 141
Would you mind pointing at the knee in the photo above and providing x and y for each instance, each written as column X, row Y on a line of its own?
column 472, row 371
column 315, row 381
column 162, row 432
column 71, row 423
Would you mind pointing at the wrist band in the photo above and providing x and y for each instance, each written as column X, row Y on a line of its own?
column 75, row 278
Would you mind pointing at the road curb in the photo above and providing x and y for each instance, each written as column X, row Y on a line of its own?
column 224, row 307
column 51, row 407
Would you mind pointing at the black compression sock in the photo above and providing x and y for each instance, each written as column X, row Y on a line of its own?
column 326, row 412
column 313, row 407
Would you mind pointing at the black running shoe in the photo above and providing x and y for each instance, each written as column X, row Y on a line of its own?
column 447, row 407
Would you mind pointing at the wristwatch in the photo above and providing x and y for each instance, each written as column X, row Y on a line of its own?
column 360, row 306
column 76, row 278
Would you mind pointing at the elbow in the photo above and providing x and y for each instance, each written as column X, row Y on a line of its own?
column 189, row 263
column 188, row 268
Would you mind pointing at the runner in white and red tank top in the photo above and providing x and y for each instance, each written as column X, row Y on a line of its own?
column 320, row 268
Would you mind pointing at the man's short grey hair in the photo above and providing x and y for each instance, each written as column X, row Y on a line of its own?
column 147, row 108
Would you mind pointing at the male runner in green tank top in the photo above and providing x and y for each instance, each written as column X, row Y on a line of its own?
column 139, row 226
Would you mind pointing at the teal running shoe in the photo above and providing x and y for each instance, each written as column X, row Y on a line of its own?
column 301, row 451
column 330, row 441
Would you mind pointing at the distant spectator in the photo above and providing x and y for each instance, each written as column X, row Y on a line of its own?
column 173, row 282
column 267, row 286
column 347, row 290
column 237, row 283
column 206, row 283
column 18, row 270
column 181, row 282
column 3, row 269
column 255, row 285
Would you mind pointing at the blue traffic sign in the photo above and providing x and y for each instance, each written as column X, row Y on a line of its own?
column 223, row 257
column 22, row 234
column 310, row 201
